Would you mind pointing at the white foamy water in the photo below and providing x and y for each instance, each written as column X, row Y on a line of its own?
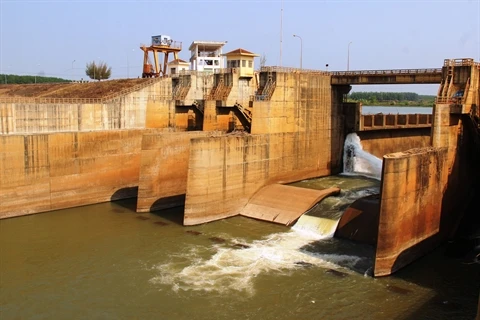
column 324, row 218
column 234, row 269
column 359, row 162
column 224, row 267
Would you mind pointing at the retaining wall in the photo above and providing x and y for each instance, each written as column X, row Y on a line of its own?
column 52, row 171
column 163, row 169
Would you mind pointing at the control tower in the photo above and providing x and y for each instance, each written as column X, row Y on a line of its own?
column 207, row 55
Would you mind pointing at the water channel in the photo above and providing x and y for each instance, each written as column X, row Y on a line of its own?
column 105, row 261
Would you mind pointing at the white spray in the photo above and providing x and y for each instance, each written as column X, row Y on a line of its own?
column 359, row 162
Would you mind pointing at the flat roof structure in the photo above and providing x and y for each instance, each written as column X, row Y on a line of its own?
column 207, row 45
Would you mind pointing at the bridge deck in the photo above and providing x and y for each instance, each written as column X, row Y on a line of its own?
column 394, row 76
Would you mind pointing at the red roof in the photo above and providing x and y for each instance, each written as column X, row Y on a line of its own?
column 241, row 51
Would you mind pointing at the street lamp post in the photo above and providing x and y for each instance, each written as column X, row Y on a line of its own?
column 72, row 68
column 301, row 48
column 348, row 56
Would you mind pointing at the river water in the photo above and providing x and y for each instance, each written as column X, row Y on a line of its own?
column 105, row 261
column 396, row 110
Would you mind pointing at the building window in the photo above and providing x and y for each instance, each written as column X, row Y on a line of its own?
column 217, row 63
column 250, row 64
column 244, row 63
column 173, row 70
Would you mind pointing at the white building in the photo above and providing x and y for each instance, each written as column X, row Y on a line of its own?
column 207, row 55
column 177, row 66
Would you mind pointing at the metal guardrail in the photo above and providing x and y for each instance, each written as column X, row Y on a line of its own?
column 204, row 73
column 50, row 100
column 177, row 45
column 387, row 72
column 460, row 62
column 289, row 69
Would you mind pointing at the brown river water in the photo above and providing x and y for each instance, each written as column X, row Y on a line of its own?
column 105, row 261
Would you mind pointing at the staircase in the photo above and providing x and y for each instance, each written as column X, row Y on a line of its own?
column 244, row 115
column 181, row 90
column 266, row 92
column 199, row 107
column 220, row 91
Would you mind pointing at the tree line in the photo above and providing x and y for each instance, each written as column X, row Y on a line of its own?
column 388, row 96
column 16, row 79
column 96, row 71
column 392, row 98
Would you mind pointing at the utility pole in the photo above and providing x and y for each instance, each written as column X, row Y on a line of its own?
column 72, row 68
column 281, row 32
column 348, row 56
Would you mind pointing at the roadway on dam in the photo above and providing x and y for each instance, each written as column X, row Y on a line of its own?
column 106, row 259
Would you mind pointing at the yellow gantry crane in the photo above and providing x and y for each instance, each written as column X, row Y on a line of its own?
column 160, row 44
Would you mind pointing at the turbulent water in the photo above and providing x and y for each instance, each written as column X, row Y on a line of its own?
column 107, row 262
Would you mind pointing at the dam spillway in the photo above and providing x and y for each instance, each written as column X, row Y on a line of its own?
column 58, row 153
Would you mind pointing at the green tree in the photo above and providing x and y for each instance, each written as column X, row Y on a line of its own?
column 98, row 71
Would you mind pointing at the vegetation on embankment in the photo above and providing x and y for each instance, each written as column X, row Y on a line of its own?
column 391, row 99
column 16, row 79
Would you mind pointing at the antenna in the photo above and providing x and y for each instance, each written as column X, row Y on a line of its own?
column 281, row 31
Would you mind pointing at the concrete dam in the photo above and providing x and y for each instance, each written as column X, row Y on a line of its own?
column 227, row 143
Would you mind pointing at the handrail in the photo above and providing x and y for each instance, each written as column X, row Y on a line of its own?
column 459, row 62
column 173, row 45
column 289, row 69
column 126, row 91
column 387, row 72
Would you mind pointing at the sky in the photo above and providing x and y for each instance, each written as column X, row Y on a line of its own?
column 58, row 37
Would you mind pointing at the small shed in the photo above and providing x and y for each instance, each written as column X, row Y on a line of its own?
column 243, row 60
column 177, row 65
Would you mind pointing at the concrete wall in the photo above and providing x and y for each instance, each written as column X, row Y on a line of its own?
column 60, row 170
column 163, row 169
column 63, row 115
column 382, row 142
column 299, row 134
column 225, row 172
column 413, row 182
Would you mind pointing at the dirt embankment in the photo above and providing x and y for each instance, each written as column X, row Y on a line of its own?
column 97, row 89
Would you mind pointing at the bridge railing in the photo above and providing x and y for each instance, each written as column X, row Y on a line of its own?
column 459, row 62
column 387, row 72
column 289, row 69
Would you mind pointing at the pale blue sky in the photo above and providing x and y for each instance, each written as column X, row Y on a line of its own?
column 46, row 36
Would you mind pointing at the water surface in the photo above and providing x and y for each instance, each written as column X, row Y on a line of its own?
column 396, row 110
column 105, row 261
